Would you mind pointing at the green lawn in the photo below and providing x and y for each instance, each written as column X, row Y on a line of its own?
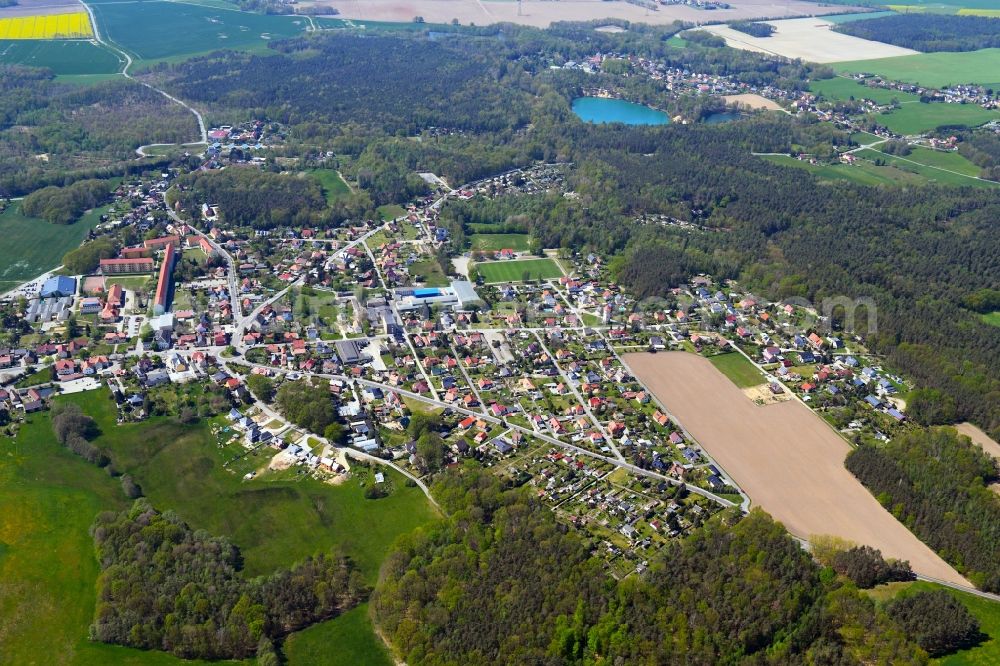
column 986, row 611
column 32, row 246
column 993, row 318
column 347, row 640
column 429, row 272
column 63, row 57
column 916, row 118
column 862, row 172
column 391, row 211
column 934, row 69
column 953, row 161
column 929, row 172
column 332, row 183
column 156, row 30
column 493, row 242
column 739, row 370
column 519, row 270
column 840, row 88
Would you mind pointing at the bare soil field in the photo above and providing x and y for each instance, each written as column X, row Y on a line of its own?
column 542, row 13
column 41, row 8
column 809, row 39
column 785, row 457
column 979, row 437
column 753, row 101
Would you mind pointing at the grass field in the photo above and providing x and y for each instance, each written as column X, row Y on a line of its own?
column 62, row 57
column 928, row 171
column 50, row 498
column 917, row 118
column 347, row 640
column 840, row 88
column 944, row 159
column 74, row 25
column 156, row 29
column 739, row 370
column 31, row 246
column 984, row 610
column 992, row 318
column 518, row 271
column 862, row 172
column 934, row 69
column 493, row 242
column 391, row 211
column 332, row 183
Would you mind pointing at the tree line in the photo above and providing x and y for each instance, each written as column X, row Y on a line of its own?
column 164, row 586
column 928, row 32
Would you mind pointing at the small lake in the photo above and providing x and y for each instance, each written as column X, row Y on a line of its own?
column 721, row 117
column 606, row 110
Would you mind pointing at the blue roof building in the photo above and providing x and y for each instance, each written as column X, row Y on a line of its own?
column 58, row 286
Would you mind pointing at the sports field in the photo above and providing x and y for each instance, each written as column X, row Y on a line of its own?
column 934, row 69
column 916, row 118
column 519, row 270
column 783, row 455
column 739, row 370
column 51, row 26
column 494, row 242
column 31, row 246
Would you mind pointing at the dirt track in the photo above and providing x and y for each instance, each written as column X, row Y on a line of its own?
column 785, row 457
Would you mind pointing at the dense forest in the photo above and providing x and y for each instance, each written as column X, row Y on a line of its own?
column 63, row 205
column 53, row 133
column 928, row 32
column 254, row 198
column 934, row 482
column 166, row 587
column 501, row 582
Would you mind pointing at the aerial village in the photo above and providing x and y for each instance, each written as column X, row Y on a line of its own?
column 522, row 372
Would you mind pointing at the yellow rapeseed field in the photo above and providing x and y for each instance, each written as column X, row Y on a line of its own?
column 52, row 26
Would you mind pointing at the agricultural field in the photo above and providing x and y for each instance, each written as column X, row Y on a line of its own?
column 985, row 611
column 333, row 184
column 51, row 498
column 810, row 39
column 786, row 458
column 32, row 246
column 934, row 69
column 157, row 30
column 344, row 641
column 916, row 118
column 519, row 270
column 51, row 26
column 739, row 370
column 495, row 242
column 842, row 88
column 862, row 172
column 61, row 56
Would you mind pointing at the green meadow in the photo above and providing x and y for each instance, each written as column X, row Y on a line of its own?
column 333, row 184
column 916, row 118
column 862, row 172
column 915, row 163
column 494, row 242
column 63, row 57
column 987, row 612
column 841, row 88
column 739, row 370
column 50, row 498
column 934, row 69
column 32, row 246
column 519, row 270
